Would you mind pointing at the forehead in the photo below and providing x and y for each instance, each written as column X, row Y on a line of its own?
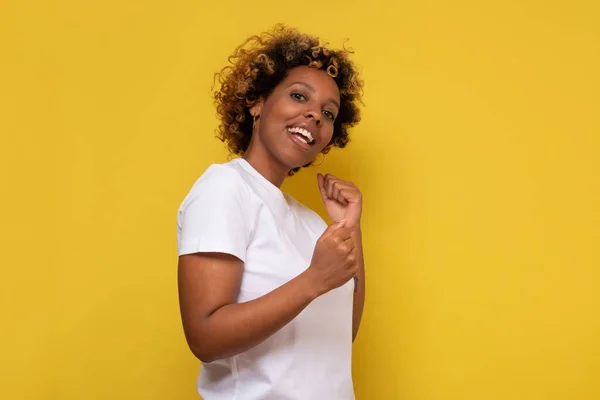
column 318, row 79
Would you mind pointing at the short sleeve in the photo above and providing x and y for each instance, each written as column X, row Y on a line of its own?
column 215, row 216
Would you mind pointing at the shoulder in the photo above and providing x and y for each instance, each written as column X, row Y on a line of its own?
column 217, row 214
column 219, row 179
column 220, row 185
column 223, row 176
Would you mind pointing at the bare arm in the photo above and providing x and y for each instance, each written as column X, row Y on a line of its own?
column 343, row 201
column 359, row 293
column 216, row 326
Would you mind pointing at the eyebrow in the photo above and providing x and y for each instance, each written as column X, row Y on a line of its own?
column 331, row 100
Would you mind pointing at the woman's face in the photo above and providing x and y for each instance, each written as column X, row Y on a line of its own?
column 296, row 121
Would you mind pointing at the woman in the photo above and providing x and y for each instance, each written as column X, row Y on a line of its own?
column 271, row 297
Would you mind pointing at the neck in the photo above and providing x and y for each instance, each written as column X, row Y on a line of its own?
column 267, row 166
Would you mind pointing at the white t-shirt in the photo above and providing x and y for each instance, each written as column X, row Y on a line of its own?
column 233, row 209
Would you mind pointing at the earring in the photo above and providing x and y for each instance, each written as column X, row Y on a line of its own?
column 322, row 161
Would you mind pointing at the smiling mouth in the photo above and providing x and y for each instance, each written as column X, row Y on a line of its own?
column 302, row 134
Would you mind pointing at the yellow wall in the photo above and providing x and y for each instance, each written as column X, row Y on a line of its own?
column 478, row 156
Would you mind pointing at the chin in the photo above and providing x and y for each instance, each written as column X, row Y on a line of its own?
column 291, row 166
column 293, row 160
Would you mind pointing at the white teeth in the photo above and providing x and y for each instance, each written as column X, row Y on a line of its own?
column 303, row 132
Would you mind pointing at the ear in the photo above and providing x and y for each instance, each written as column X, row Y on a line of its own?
column 256, row 108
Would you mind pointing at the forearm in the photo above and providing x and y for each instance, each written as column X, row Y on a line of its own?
column 359, row 291
column 235, row 328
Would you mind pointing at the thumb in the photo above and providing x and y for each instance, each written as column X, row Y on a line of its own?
column 338, row 225
column 331, row 229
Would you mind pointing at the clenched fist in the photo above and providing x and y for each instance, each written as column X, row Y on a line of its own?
column 334, row 260
column 342, row 199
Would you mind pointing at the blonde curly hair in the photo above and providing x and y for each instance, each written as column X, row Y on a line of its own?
column 261, row 63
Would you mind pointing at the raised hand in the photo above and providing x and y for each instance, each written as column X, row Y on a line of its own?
column 342, row 199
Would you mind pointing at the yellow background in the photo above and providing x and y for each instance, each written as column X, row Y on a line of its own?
column 478, row 156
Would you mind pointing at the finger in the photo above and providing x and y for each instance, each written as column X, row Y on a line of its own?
column 338, row 226
column 329, row 187
column 339, row 185
column 347, row 183
column 340, row 197
column 350, row 195
column 331, row 177
column 321, row 184
column 341, row 191
column 342, row 183
column 335, row 192
column 351, row 191
column 343, row 233
column 351, row 258
column 350, row 243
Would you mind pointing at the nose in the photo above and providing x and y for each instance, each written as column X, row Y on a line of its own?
column 315, row 115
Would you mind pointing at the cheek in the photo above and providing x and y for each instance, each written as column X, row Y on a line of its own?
column 326, row 135
column 284, row 105
column 280, row 111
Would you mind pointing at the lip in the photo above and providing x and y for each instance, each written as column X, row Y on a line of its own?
column 303, row 125
column 297, row 141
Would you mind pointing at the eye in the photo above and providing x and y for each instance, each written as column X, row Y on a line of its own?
column 329, row 114
column 298, row 96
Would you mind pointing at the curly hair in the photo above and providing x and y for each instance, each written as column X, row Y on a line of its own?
column 260, row 63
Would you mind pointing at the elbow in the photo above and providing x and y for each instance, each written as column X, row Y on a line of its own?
column 205, row 351
column 204, row 357
column 204, row 354
column 204, row 344
column 200, row 344
column 200, row 354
